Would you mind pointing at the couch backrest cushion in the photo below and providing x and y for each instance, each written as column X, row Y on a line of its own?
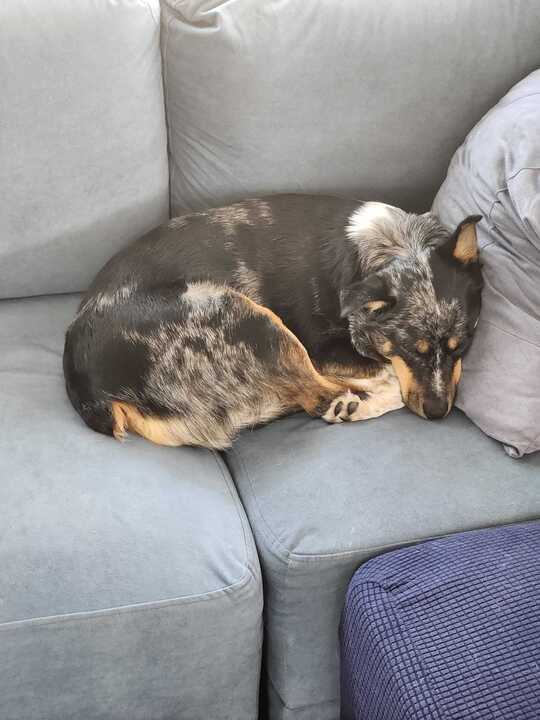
column 366, row 98
column 83, row 162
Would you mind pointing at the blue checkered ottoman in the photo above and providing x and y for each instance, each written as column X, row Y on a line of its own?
column 446, row 630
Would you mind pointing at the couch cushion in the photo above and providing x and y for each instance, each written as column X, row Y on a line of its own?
column 496, row 172
column 129, row 583
column 343, row 97
column 83, row 141
column 321, row 499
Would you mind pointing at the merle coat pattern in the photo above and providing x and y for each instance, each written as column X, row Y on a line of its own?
column 230, row 317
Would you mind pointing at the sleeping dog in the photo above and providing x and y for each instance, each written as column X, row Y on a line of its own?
column 231, row 317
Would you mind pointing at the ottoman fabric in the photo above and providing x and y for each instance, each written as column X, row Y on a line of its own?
column 322, row 499
column 129, row 581
column 446, row 630
column 83, row 143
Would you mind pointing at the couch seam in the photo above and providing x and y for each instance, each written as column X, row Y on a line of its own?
column 167, row 22
column 248, row 558
column 284, row 555
column 508, row 332
column 505, row 188
column 134, row 607
column 287, row 556
column 299, row 707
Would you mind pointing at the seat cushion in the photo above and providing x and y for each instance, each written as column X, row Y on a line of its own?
column 447, row 629
column 83, row 144
column 129, row 583
column 496, row 173
column 326, row 96
column 322, row 499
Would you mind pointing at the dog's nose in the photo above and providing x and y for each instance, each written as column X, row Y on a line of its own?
column 435, row 408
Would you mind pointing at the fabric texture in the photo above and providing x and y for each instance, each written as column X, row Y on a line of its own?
column 129, row 580
column 446, row 630
column 322, row 499
column 83, row 143
column 353, row 98
column 496, row 173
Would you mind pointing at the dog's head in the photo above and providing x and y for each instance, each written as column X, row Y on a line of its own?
column 418, row 302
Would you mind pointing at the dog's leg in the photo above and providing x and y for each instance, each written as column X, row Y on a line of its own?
column 379, row 389
column 333, row 398
column 230, row 365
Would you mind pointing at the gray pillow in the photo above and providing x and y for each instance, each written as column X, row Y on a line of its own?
column 496, row 173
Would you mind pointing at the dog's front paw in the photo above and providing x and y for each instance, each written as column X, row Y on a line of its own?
column 346, row 407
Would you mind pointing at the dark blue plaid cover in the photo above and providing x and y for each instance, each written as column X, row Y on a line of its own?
column 446, row 630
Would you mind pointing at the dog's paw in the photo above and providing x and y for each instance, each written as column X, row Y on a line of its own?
column 374, row 400
column 345, row 407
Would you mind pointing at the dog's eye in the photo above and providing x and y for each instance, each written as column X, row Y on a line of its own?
column 423, row 346
column 453, row 343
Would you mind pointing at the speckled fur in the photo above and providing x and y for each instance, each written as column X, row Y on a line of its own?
column 230, row 317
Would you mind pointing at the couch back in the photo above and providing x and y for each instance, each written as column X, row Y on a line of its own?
column 83, row 159
column 364, row 98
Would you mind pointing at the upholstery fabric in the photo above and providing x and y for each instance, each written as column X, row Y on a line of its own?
column 496, row 173
column 447, row 629
column 83, row 140
column 322, row 499
column 367, row 99
column 129, row 581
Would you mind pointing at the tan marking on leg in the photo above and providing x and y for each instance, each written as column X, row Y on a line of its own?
column 159, row 431
column 119, row 421
column 342, row 372
column 307, row 388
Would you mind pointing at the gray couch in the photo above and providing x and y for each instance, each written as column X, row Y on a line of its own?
column 130, row 575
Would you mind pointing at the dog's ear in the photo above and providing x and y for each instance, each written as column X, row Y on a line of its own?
column 463, row 244
column 370, row 295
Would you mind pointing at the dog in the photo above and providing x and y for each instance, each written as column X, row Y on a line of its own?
column 227, row 318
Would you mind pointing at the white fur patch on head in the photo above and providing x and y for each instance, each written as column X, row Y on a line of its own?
column 375, row 230
column 383, row 232
column 367, row 216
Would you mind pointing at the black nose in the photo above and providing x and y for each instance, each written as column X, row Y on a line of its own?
column 435, row 408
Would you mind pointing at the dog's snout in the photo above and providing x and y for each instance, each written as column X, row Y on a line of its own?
column 435, row 408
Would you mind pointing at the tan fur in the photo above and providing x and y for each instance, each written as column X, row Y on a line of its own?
column 456, row 376
column 375, row 305
column 386, row 348
column 160, row 431
column 466, row 249
column 456, row 373
column 422, row 346
column 409, row 388
column 453, row 342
